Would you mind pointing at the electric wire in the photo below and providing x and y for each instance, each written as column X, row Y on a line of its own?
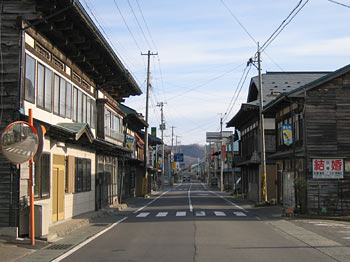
column 338, row 3
column 294, row 12
column 242, row 26
column 100, row 23
column 2, row 86
column 138, row 23
column 127, row 26
column 245, row 78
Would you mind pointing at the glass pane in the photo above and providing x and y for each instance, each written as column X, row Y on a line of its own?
column 88, row 169
column 69, row 101
column 48, row 89
column 45, row 159
column 75, row 103
column 63, row 98
column 108, row 123
column 80, row 107
column 37, row 171
column 29, row 85
column 88, row 111
column 84, row 108
column 93, row 108
column 40, row 98
column 56, row 94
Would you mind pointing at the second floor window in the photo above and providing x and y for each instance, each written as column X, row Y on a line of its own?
column 113, row 125
column 54, row 93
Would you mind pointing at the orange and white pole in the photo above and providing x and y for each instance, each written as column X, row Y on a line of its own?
column 31, row 190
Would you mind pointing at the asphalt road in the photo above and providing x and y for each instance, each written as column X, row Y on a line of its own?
column 192, row 223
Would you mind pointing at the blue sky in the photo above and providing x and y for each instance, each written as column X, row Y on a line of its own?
column 202, row 51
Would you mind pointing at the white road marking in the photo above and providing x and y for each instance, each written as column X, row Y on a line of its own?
column 162, row 214
column 150, row 202
column 240, row 214
column 71, row 251
column 202, row 194
column 231, row 203
column 144, row 214
column 189, row 199
column 200, row 214
column 219, row 214
column 181, row 213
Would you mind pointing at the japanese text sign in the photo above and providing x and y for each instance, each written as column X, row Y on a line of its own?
column 327, row 168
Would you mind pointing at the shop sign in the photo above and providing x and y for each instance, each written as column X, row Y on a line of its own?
column 287, row 134
column 327, row 168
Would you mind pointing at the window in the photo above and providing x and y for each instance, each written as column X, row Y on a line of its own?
column 41, row 85
column 75, row 103
column 84, row 109
column 42, row 176
column 29, row 85
column 69, row 101
column 88, row 111
column 108, row 122
column 48, row 90
column 62, row 97
column 80, row 107
column 44, row 88
column 56, row 107
column 82, row 175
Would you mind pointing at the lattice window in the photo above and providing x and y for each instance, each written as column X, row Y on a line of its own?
column 43, row 51
column 76, row 77
column 58, row 63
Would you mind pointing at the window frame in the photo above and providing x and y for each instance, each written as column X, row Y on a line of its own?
column 40, row 169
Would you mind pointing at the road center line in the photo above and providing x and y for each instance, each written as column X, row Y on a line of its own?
column 189, row 198
column 150, row 202
column 71, row 251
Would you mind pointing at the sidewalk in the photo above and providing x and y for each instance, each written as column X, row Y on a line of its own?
column 12, row 249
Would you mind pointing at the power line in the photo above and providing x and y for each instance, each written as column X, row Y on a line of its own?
column 137, row 21
column 126, row 24
column 294, row 12
column 232, row 14
column 335, row 2
column 234, row 94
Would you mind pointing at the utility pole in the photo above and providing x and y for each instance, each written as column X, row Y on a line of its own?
column 221, row 160
column 146, row 117
column 262, row 135
column 162, row 128
column 172, row 137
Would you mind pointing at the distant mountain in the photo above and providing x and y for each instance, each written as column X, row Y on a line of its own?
column 192, row 153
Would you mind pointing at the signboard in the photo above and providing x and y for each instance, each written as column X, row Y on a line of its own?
column 182, row 165
column 287, row 133
column 129, row 143
column 327, row 168
column 154, row 131
column 179, row 157
column 347, row 166
column 216, row 136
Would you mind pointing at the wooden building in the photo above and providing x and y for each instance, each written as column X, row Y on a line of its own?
column 57, row 63
column 316, row 162
column 247, row 121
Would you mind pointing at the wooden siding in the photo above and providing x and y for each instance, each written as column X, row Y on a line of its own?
column 10, row 102
column 328, row 119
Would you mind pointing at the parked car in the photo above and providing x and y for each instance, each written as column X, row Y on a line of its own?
column 214, row 181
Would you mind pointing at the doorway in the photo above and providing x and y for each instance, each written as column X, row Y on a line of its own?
column 58, row 187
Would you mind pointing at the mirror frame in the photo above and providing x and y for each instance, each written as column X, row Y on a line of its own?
column 34, row 131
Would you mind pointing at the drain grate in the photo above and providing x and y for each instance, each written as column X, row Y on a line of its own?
column 99, row 225
column 59, row 246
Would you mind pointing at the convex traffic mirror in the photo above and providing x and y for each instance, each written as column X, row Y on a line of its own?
column 19, row 142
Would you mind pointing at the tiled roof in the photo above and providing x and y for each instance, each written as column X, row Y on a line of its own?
column 275, row 83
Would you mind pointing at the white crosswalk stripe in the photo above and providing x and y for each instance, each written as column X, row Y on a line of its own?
column 219, row 214
column 240, row 214
column 144, row 214
column 181, row 213
column 200, row 214
column 162, row 214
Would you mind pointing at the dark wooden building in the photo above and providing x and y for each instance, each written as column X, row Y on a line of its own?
column 247, row 121
column 316, row 165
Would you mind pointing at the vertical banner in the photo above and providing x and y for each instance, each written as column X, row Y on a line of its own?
column 223, row 148
column 154, row 131
column 287, row 134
